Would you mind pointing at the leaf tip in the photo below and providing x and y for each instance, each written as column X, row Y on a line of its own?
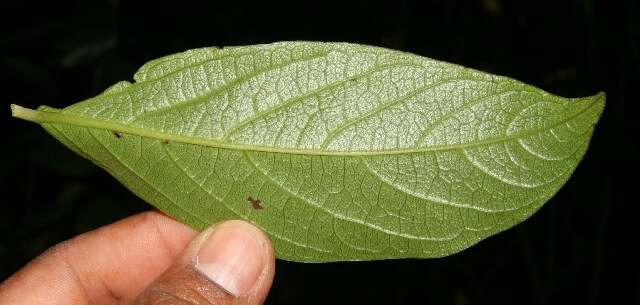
column 601, row 99
column 601, row 96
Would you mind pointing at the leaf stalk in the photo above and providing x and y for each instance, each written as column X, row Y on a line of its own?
column 24, row 113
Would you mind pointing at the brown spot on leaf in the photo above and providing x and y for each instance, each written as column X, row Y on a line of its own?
column 117, row 134
column 255, row 203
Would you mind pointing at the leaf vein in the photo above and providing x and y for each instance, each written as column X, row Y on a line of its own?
column 223, row 88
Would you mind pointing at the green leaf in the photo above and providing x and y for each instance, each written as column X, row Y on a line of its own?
column 338, row 151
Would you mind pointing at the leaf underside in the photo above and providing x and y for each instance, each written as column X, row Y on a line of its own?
column 338, row 151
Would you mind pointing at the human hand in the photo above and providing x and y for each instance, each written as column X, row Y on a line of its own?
column 149, row 258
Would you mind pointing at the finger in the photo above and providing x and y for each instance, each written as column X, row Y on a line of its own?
column 110, row 265
column 231, row 263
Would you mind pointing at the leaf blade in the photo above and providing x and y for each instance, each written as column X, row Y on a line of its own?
column 415, row 158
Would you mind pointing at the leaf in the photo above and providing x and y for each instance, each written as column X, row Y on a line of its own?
column 338, row 151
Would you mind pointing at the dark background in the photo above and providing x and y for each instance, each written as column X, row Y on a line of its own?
column 578, row 249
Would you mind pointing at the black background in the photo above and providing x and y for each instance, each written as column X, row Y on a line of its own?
column 578, row 249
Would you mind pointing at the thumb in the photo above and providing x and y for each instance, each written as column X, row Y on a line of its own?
column 230, row 263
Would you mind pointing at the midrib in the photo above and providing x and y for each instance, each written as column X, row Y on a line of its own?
column 52, row 116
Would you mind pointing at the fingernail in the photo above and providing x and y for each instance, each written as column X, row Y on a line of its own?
column 233, row 256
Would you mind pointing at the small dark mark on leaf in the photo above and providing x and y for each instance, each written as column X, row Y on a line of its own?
column 117, row 134
column 166, row 142
column 255, row 203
